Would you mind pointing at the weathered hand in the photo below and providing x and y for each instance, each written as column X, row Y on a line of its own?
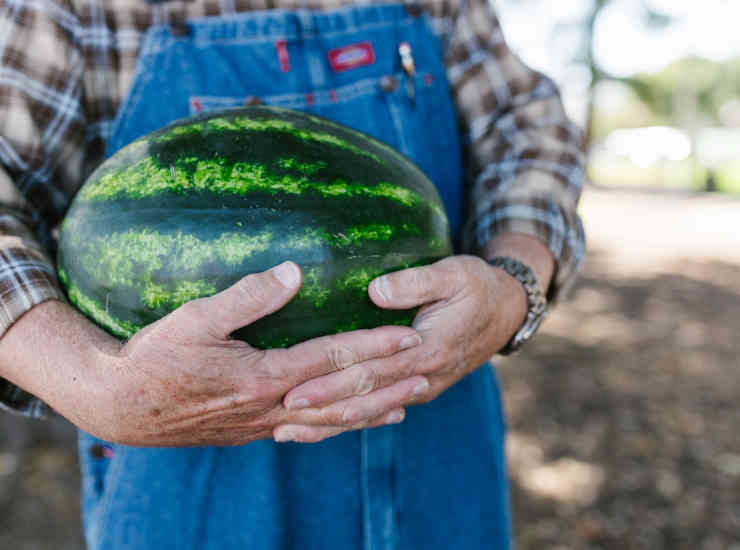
column 183, row 381
column 469, row 311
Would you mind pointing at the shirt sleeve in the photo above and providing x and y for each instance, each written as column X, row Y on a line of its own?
column 41, row 151
column 524, row 158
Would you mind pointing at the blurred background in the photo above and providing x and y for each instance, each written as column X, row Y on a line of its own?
column 623, row 415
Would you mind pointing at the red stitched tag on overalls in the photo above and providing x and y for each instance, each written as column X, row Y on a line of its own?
column 349, row 57
column 282, row 52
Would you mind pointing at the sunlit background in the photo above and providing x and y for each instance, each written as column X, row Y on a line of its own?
column 623, row 413
column 654, row 81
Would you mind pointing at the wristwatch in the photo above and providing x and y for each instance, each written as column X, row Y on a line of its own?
column 536, row 301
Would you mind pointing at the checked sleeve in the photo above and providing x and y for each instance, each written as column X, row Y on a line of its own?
column 524, row 158
column 41, row 150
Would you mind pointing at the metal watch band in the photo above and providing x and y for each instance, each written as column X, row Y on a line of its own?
column 536, row 301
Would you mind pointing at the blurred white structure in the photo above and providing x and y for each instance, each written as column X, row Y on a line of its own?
column 646, row 146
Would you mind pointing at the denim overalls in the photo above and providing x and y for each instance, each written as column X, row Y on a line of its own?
column 436, row 481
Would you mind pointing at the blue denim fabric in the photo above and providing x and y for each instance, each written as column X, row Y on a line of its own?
column 437, row 480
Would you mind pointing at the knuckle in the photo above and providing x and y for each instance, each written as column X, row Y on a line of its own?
column 403, row 369
column 330, row 415
column 347, row 416
column 367, row 381
column 340, row 357
column 417, row 278
column 253, row 290
column 423, row 281
column 429, row 396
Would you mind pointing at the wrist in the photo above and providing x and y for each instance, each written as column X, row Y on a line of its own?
column 516, row 300
column 528, row 250
column 56, row 354
column 536, row 303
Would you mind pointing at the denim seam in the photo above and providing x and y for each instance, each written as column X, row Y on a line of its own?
column 142, row 75
column 114, row 475
column 291, row 35
column 321, row 97
column 366, row 512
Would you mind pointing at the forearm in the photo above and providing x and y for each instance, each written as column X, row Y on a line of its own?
column 525, row 159
column 52, row 352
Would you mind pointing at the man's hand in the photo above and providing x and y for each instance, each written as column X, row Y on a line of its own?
column 183, row 381
column 469, row 311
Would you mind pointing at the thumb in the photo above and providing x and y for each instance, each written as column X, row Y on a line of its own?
column 412, row 287
column 251, row 298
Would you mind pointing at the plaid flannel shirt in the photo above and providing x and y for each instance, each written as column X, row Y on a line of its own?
column 65, row 68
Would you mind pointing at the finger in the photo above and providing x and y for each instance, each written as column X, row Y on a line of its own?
column 357, row 409
column 313, row 434
column 359, row 379
column 413, row 287
column 327, row 354
column 250, row 298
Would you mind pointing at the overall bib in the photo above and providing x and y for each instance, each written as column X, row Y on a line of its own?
column 437, row 480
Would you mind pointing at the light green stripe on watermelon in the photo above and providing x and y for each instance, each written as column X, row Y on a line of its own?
column 146, row 178
column 155, row 295
column 244, row 124
column 121, row 259
column 128, row 259
column 308, row 168
column 312, row 289
column 96, row 310
column 358, row 279
column 358, row 234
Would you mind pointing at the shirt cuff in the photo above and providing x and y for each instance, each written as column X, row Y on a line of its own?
column 27, row 278
column 557, row 226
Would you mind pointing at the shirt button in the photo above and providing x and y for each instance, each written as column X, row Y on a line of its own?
column 388, row 83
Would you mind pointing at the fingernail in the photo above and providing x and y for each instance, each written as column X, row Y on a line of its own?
column 410, row 341
column 421, row 387
column 294, row 404
column 395, row 417
column 383, row 287
column 288, row 274
column 284, row 435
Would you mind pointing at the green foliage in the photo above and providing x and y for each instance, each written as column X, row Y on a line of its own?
column 710, row 83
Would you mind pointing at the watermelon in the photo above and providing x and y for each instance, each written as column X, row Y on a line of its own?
column 188, row 210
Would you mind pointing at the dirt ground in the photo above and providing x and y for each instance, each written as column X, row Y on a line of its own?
column 623, row 413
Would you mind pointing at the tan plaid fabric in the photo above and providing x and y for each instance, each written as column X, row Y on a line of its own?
column 66, row 65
